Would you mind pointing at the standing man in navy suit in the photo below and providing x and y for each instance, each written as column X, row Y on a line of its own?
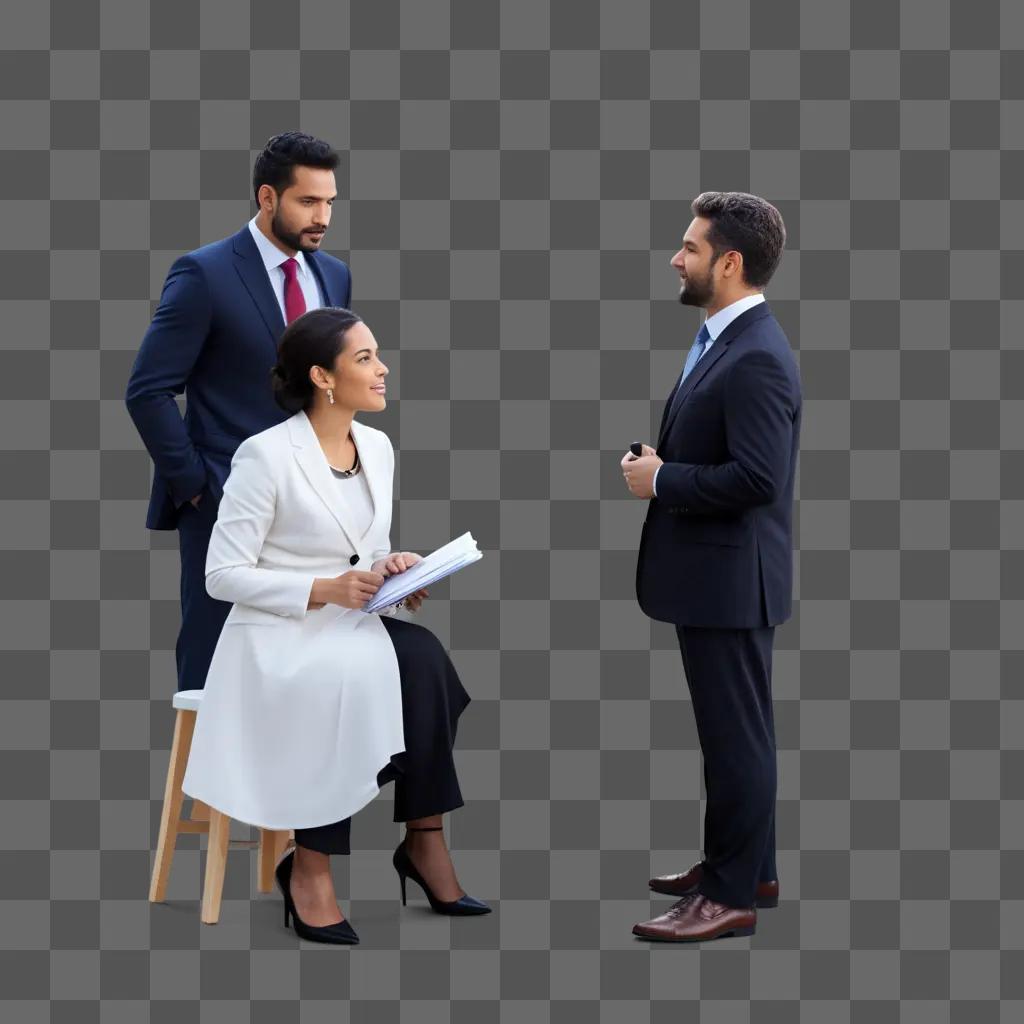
column 716, row 552
column 214, row 337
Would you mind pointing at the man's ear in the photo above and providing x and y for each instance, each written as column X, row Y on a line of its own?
column 264, row 195
column 733, row 263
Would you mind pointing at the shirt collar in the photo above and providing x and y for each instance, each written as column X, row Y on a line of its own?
column 270, row 254
column 718, row 323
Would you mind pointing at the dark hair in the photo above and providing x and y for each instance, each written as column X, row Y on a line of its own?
column 283, row 153
column 314, row 339
column 748, row 224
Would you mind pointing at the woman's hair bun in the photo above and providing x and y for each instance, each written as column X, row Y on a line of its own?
column 314, row 339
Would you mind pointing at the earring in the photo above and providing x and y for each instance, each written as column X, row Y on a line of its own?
column 330, row 395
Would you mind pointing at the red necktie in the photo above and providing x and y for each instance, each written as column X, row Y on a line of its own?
column 294, row 300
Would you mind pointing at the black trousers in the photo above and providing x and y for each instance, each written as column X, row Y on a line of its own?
column 729, row 674
column 433, row 698
column 202, row 617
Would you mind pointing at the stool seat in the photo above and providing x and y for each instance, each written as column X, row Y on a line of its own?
column 187, row 700
column 205, row 820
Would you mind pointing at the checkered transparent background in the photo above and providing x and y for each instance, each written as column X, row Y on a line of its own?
column 515, row 177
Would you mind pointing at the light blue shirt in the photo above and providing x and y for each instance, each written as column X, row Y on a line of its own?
column 273, row 258
column 715, row 325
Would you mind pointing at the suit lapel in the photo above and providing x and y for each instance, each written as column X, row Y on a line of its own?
column 329, row 296
column 316, row 469
column 668, row 406
column 253, row 273
column 682, row 391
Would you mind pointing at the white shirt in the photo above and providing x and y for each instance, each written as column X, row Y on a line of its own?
column 715, row 325
column 272, row 260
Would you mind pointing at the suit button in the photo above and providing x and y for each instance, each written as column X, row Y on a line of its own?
column 353, row 560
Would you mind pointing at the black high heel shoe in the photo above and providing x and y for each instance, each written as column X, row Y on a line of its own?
column 464, row 906
column 340, row 934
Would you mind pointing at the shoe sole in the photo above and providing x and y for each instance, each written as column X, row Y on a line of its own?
column 733, row 933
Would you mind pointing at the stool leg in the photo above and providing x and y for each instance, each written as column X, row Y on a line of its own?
column 184, row 725
column 216, row 862
column 200, row 811
column 266, row 859
column 273, row 844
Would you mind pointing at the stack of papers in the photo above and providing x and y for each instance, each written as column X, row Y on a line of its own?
column 446, row 560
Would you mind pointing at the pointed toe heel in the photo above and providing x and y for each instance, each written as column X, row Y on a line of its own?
column 464, row 906
column 339, row 934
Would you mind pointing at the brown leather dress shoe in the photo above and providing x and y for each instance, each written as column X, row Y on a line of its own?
column 698, row 919
column 686, row 885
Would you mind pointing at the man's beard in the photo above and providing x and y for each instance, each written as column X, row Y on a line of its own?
column 697, row 293
column 292, row 239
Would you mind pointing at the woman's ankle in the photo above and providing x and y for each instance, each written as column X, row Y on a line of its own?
column 429, row 829
column 310, row 862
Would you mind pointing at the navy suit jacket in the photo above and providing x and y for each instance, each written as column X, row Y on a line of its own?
column 214, row 338
column 717, row 544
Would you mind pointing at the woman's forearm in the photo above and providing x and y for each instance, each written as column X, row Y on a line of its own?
column 271, row 590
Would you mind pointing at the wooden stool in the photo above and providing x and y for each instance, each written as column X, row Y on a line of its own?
column 205, row 821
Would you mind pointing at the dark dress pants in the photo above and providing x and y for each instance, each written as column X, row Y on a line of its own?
column 728, row 672
column 433, row 698
column 202, row 617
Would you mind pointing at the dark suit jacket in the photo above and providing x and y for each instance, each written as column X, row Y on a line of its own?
column 717, row 544
column 214, row 337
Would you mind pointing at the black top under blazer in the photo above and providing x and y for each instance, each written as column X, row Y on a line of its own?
column 717, row 544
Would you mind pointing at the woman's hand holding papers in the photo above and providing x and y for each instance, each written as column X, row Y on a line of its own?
column 396, row 561
column 399, row 561
column 415, row 599
column 409, row 584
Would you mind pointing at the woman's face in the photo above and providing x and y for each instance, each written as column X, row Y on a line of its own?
column 359, row 373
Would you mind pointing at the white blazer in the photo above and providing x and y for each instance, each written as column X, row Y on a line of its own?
column 301, row 709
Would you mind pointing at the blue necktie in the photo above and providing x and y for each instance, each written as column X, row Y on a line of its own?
column 700, row 343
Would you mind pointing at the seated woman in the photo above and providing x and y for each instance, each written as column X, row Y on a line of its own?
column 311, row 704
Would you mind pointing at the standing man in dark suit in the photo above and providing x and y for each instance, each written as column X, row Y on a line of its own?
column 214, row 337
column 716, row 552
